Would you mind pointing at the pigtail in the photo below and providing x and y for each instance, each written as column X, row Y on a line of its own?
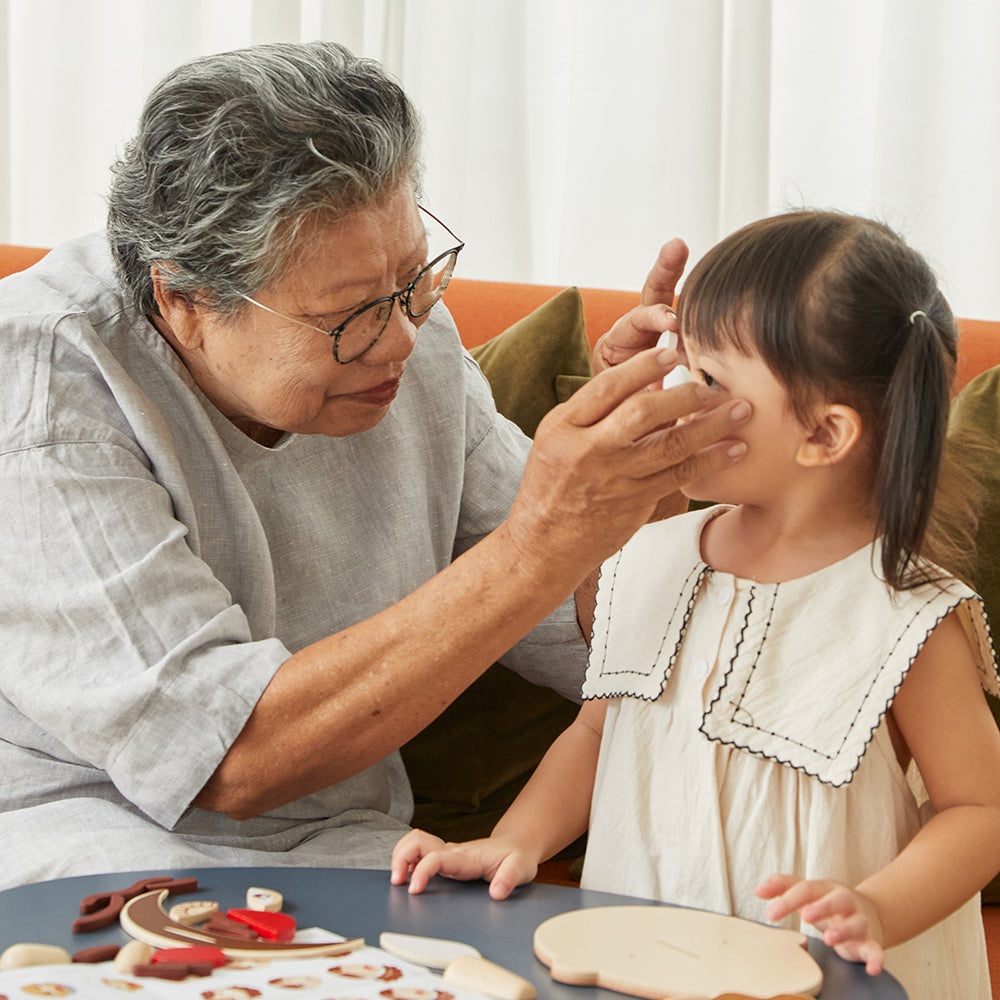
column 914, row 419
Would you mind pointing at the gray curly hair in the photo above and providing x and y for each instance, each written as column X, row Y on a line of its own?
column 235, row 152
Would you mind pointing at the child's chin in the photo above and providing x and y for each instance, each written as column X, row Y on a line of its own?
column 696, row 491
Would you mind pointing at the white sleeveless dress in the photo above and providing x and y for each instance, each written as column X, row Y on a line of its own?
column 746, row 735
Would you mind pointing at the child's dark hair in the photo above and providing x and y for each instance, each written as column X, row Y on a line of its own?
column 839, row 307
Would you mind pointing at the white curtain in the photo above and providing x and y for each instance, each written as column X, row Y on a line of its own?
column 567, row 139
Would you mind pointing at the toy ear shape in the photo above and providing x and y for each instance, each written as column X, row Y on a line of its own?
column 837, row 429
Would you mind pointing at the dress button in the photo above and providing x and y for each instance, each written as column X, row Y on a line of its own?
column 725, row 595
column 701, row 670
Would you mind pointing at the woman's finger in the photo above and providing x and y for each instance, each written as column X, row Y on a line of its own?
column 667, row 270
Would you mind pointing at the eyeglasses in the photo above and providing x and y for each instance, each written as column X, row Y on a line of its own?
column 361, row 330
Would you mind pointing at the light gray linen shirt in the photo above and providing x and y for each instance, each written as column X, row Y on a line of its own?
column 157, row 567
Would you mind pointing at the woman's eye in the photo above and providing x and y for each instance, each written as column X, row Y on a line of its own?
column 412, row 275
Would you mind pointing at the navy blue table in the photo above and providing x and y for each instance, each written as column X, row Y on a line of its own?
column 362, row 903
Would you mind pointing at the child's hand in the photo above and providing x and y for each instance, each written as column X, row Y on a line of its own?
column 848, row 920
column 420, row 856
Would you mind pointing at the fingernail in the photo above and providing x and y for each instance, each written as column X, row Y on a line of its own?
column 740, row 410
column 737, row 449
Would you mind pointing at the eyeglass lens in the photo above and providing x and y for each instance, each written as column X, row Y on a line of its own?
column 362, row 330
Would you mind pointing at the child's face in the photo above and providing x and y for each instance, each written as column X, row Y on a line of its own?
column 773, row 434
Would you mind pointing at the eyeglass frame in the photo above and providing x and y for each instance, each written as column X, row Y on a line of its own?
column 404, row 296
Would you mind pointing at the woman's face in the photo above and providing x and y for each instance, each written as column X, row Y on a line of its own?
column 268, row 374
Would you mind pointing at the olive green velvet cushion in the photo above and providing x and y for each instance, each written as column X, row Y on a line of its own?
column 540, row 361
column 977, row 408
column 471, row 762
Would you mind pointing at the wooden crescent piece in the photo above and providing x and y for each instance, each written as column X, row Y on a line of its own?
column 432, row 953
column 661, row 951
column 146, row 920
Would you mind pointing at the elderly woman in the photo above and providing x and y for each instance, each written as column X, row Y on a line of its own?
column 260, row 533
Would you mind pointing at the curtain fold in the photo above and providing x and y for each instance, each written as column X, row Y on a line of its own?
column 567, row 139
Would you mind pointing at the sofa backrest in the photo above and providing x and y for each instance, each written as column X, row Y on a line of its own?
column 482, row 309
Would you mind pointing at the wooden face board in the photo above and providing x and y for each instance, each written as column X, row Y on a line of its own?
column 663, row 951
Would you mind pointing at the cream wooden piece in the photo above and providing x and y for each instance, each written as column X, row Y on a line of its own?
column 662, row 951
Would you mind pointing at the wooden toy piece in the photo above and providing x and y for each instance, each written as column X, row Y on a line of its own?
column 100, row 900
column 477, row 974
column 19, row 956
column 193, row 911
column 196, row 955
column 132, row 954
column 264, row 899
column 101, row 953
column 144, row 919
column 97, row 919
column 464, row 967
column 743, row 996
column 272, row 926
column 219, row 923
column 102, row 909
column 734, row 996
column 432, row 953
column 663, row 951
column 174, row 970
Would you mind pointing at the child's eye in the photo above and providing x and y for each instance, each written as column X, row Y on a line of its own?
column 708, row 380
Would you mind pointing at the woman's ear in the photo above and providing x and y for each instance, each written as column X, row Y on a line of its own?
column 182, row 317
column 836, row 430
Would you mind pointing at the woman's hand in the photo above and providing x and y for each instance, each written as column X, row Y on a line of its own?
column 602, row 461
column 419, row 856
column 641, row 328
column 848, row 919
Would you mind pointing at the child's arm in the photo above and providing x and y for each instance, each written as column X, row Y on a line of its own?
column 943, row 716
column 552, row 810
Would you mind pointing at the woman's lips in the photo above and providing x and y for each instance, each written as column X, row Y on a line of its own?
column 379, row 395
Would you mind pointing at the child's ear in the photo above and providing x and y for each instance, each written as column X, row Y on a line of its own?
column 835, row 431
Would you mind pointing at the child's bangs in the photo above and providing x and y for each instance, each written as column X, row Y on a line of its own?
column 716, row 321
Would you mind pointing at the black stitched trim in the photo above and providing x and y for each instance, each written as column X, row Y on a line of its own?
column 738, row 704
column 778, row 759
column 690, row 587
column 983, row 657
column 736, row 649
column 850, row 729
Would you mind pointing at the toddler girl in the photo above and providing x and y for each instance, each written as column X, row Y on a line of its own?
column 763, row 672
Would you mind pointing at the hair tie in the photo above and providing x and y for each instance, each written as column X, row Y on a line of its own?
column 916, row 313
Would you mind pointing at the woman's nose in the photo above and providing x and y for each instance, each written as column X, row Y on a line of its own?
column 398, row 338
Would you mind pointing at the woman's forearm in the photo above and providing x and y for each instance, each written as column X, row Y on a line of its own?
column 343, row 703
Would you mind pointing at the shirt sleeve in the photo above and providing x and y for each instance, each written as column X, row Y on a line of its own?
column 554, row 653
column 120, row 643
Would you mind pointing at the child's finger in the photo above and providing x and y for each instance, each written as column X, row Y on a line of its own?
column 875, row 958
column 869, row 952
column 512, row 872
column 408, row 851
column 800, row 893
column 837, row 902
column 775, row 885
column 424, row 870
